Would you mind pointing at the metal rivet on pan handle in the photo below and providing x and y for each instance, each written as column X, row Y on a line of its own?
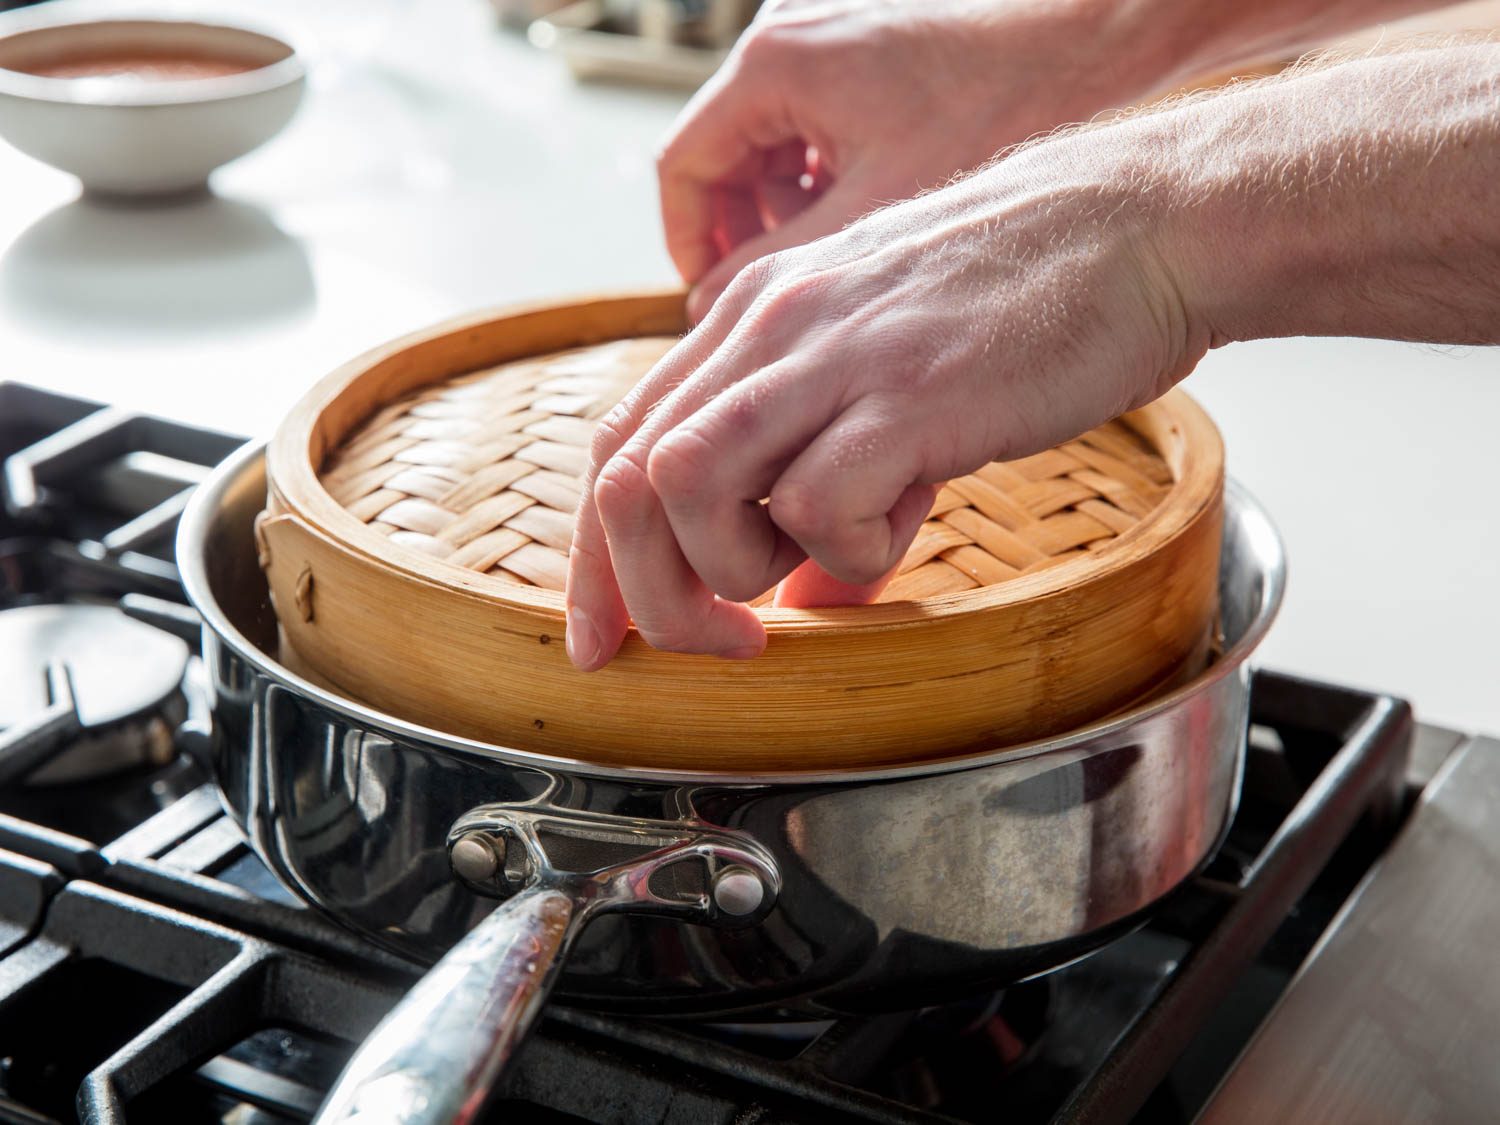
column 474, row 858
column 490, row 860
column 738, row 891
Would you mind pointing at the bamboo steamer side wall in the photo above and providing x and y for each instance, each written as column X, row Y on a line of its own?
column 835, row 697
column 858, row 686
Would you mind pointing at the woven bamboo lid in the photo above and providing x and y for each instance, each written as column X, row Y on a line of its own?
column 421, row 511
column 483, row 472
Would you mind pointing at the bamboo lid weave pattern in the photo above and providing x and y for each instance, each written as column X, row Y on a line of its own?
column 483, row 471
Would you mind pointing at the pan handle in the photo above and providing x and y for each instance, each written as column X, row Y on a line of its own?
column 436, row 1055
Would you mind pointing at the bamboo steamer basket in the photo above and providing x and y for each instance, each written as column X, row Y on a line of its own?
column 417, row 525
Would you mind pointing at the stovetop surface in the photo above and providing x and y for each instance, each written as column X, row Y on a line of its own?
column 151, row 969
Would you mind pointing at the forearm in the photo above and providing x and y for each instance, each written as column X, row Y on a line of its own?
column 1361, row 198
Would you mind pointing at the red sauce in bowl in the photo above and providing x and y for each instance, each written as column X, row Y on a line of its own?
column 139, row 66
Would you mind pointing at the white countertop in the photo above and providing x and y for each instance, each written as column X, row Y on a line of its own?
column 440, row 164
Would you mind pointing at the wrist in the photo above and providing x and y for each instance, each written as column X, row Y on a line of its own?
column 1238, row 237
column 1348, row 199
column 1105, row 200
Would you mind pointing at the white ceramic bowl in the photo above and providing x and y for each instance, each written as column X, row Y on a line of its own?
column 144, row 137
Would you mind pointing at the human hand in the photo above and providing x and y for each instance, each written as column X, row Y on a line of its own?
column 1072, row 281
column 827, row 109
column 843, row 381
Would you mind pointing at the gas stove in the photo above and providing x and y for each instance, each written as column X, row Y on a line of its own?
column 151, row 969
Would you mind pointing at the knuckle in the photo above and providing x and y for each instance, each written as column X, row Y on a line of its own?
column 740, row 413
column 787, row 291
column 804, row 285
column 609, row 437
column 681, row 465
column 752, row 281
column 622, row 490
column 584, row 559
column 800, row 511
column 810, row 517
column 773, row 267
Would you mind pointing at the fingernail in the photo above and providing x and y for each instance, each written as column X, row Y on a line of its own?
column 744, row 652
column 581, row 638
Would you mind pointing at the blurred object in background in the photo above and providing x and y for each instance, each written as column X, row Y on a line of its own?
column 520, row 13
column 346, row 31
column 141, row 106
column 714, row 24
column 676, row 43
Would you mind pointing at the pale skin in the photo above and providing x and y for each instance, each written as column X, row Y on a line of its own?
column 842, row 379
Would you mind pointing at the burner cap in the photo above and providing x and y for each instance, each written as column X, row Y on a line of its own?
column 120, row 667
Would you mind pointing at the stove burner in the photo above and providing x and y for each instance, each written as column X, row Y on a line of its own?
column 88, row 684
